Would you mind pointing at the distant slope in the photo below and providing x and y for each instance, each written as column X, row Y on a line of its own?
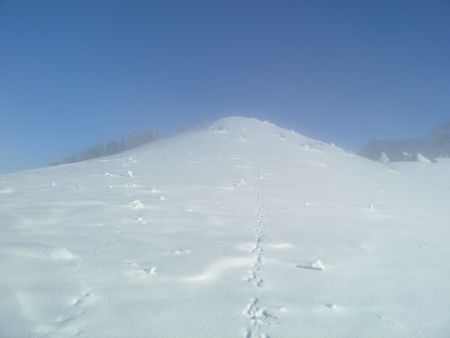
column 434, row 145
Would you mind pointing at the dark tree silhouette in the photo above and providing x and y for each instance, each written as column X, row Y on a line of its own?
column 133, row 140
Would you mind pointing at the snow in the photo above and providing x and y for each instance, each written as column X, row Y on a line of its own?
column 277, row 236
column 423, row 159
column 384, row 159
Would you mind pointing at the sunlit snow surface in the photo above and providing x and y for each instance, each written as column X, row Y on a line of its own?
column 240, row 229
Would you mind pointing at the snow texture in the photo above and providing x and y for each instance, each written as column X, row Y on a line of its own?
column 239, row 229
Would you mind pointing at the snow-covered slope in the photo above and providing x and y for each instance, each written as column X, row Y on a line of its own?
column 241, row 229
column 434, row 145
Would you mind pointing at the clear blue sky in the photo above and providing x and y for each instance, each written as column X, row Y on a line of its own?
column 73, row 73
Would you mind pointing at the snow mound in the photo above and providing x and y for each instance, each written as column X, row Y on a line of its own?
column 423, row 159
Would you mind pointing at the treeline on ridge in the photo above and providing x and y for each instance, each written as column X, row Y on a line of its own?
column 133, row 140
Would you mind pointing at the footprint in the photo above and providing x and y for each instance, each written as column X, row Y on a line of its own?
column 257, row 314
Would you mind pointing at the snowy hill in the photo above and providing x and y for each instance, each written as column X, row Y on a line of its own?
column 241, row 229
column 434, row 145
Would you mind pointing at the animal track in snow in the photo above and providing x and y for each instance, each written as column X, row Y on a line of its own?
column 259, row 317
column 63, row 324
column 257, row 281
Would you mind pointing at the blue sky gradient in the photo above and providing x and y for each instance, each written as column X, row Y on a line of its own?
column 74, row 73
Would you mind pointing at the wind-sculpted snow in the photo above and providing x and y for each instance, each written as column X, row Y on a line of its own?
column 240, row 229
